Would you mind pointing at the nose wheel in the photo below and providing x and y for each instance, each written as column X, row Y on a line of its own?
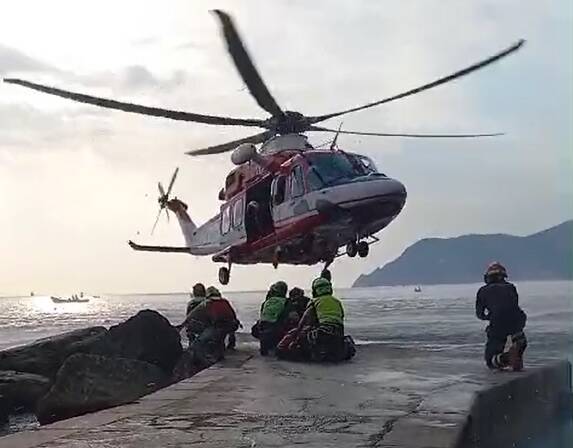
column 224, row 275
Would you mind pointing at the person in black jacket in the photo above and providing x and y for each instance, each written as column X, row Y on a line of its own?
column 497, row 302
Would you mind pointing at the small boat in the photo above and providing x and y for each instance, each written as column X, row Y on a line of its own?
column 70, row 300
column 417, row 289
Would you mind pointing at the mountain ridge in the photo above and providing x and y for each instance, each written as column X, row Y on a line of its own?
column 543, row 255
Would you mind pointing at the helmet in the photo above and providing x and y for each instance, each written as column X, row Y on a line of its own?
column 279, row 289
column 326, row 274
column 495, row 271
column 213, row 292
column 321, row 287
column 295, row 293
column 199, row 290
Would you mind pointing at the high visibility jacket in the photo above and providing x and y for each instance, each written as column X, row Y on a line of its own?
column 328, row 310
column 272, row 309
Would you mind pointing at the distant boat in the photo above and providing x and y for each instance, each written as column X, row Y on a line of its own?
column 417, row 289
column 70, row 300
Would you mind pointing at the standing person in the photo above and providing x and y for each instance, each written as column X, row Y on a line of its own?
column 498, row 302
column 268, row 329
column 198, row 295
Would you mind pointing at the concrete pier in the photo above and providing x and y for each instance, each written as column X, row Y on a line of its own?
column 385, row 397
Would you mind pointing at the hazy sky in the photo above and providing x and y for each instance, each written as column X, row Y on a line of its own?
column 76, row 182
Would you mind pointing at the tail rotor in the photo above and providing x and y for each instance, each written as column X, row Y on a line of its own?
column 164, row 198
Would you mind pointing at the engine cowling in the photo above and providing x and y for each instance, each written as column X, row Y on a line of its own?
column 244, row 153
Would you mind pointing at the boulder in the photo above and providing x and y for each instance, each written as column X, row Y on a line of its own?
column 22, row 390
column 45, row 356
column 186, row 367
column 147, row 336
column 87, row 383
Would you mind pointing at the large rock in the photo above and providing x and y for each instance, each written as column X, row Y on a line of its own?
column 87, row 383
column 147, row 336
column 21, row 390
column 45, row 356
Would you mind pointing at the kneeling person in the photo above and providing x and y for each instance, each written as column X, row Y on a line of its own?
column 320, row 333
column 497, row 302
column 212, row 320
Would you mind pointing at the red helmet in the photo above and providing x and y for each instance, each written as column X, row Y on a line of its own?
column 496, row 269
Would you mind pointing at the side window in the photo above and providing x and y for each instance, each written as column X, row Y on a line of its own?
column 279, row 188
column 238, row 212
column 296, row 182
column 226, row 220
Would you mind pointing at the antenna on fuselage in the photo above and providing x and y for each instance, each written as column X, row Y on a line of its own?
column 333, row 144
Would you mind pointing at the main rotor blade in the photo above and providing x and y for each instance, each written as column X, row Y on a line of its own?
column 390, row 134
column 428, row 86
column 217, row 149
column 245, row 65
column 156, row 220
column 136, row 108
column 171, row 183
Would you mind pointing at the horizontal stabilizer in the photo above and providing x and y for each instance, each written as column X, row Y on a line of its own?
column 136, row 246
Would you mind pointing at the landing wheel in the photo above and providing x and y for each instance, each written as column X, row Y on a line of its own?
column 224, row 275
column 363, row 249
column 352, row 249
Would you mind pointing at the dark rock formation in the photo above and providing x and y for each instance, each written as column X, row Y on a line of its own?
column 186, row 367
column 22, row 390
column 544, row 255
column 87, row 383
column 147, row 336
column 45, row 356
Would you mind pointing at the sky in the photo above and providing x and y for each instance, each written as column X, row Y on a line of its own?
column 77, row 182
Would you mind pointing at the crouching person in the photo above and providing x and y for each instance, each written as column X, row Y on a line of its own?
column 320, row 334
column 497, row 302
column 212, row 320
column 269, row 328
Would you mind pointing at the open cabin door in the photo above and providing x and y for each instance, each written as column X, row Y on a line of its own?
column 258, row 218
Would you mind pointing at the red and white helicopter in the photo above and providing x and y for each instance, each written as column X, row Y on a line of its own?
column 287, row 202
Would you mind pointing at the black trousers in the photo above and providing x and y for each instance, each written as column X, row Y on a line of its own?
column 494, row 356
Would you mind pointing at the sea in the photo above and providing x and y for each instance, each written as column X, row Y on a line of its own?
column 439, row 318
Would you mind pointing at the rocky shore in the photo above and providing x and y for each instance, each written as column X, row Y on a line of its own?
column 91, row 369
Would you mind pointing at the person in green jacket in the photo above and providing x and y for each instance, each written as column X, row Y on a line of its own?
column 320, row 333
column 268, row 329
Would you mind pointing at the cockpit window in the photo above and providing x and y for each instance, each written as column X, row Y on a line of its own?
column 368, row 163
column 333, row 168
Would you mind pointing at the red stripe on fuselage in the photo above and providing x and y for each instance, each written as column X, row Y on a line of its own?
column 284, row 233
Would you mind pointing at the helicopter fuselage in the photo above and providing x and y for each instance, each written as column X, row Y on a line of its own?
column 299, row 212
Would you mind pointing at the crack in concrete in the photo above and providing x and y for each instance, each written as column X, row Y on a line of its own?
column 376, row 439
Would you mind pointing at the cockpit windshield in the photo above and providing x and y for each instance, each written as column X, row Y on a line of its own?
column 338, row 167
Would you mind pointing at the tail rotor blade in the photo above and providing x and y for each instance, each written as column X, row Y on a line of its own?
column 156, row 220
column 172, row 181
column 161, row 190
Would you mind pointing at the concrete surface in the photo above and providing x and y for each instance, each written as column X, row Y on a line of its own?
column 385, row 397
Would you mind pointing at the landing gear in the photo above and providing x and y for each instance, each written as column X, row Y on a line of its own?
column 363, row 249
column 352, row 249
column 224, row 275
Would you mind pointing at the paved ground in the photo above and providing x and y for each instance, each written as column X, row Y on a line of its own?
column 385, row 397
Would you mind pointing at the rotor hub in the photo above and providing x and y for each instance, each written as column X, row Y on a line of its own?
column 289, row 123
